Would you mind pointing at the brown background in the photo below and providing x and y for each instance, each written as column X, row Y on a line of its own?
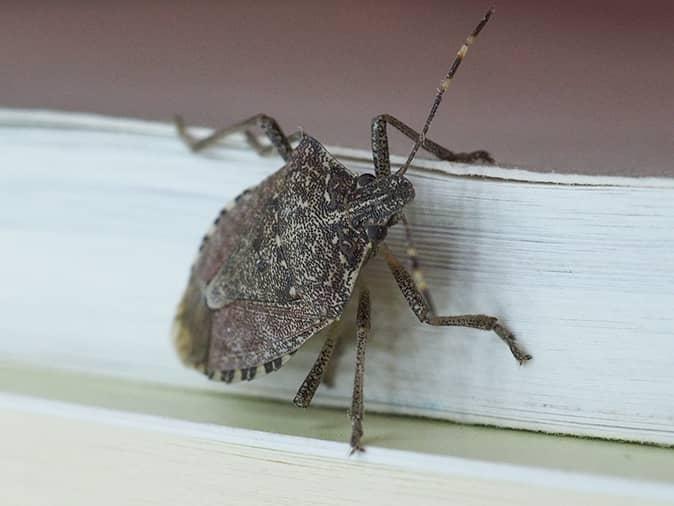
column 574, row 86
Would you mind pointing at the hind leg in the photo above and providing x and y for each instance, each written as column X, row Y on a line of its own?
column 267, row 124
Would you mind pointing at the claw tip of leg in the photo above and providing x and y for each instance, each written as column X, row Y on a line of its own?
column 300, row 403
column 525, row 359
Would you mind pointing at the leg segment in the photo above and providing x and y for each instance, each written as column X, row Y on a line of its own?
column 417, row 273
column 380, row 149
column 266, row 149
column 310, row 384
column 423, row 312
column 362, row 333
column 333, row 365
column 269, row 125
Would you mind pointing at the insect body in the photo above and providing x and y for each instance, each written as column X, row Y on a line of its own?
column 280, row 265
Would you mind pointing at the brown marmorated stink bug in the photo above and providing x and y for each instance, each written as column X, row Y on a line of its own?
column 279, row 265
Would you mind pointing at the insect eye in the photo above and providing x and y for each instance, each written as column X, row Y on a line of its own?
column 376, row 233
column 364, row 180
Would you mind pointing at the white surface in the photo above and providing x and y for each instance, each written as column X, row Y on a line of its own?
column 98, row 228
column 22, row 118
column 47, row 448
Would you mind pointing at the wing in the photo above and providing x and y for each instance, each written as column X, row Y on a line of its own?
column 279, row 266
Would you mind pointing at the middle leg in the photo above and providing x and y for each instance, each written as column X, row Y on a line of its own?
column 309, row 386
column 362, row 334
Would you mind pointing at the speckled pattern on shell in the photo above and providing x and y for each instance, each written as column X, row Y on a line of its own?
column 278, row 266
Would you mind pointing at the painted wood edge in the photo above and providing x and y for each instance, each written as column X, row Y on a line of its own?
column 638, row 436
column 290, row 445
column 413, row 434
column 38, row 118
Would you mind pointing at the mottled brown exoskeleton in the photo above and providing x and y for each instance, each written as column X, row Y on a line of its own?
column 279, row 265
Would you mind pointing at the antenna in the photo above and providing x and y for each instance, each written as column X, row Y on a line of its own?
column 444, row 86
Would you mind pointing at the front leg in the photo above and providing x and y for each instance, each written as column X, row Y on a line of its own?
column 417, row 273
column 423, row 312
column 380, row 148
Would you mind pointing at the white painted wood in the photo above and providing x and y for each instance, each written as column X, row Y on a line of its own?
column 100, row 219
column 59, row 453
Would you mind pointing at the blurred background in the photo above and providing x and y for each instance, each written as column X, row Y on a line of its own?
column 573, row 86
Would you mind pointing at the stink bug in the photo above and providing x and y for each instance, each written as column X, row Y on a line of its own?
column 279, row 265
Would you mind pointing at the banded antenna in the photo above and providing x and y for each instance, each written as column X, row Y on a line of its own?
column 444, row 86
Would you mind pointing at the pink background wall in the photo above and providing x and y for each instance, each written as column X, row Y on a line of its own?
column 574, row 86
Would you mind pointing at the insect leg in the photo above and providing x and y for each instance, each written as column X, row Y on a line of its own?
column 380, row 148
column 362, row 334
column 265, row 149
column 310, row 384
column 269, row 125
column 422, row 310
column 331, row 369
column 417, row 273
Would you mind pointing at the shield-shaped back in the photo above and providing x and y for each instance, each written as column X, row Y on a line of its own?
column 278, row 266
